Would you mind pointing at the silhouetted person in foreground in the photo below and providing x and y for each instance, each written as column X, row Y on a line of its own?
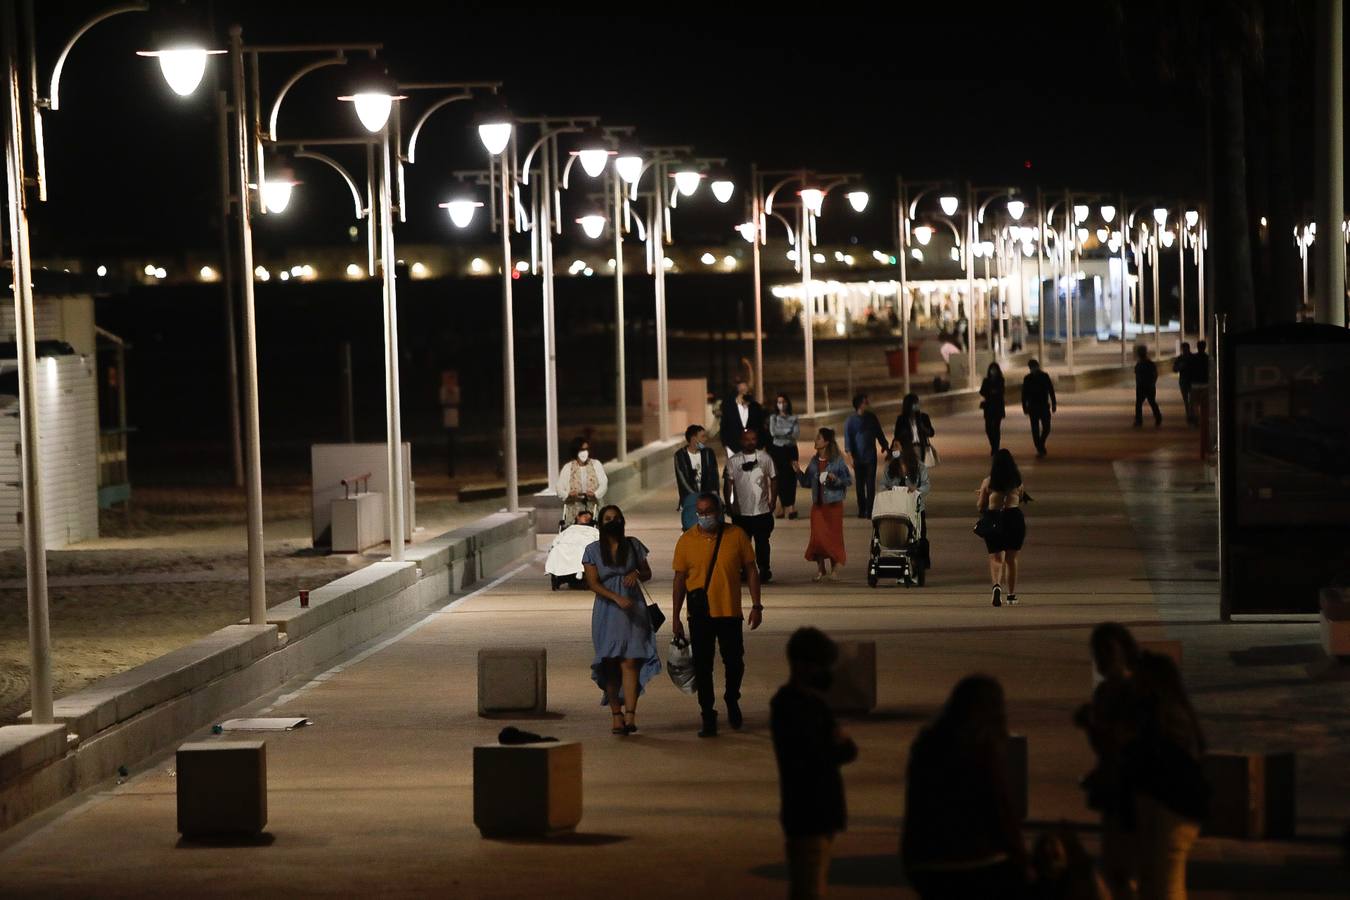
column 810, row 748
column 1039, row 403
column 961, row 838
column 1145, row 387
column 1182, row 366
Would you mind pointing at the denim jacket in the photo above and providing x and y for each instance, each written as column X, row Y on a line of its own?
column 826, row 493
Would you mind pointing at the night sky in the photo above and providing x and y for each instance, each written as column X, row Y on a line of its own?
column 1057, row 94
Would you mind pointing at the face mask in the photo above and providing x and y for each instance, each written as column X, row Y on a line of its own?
column 702, row 446
column 707, row 523
column 821, row 681
column 583, row 456
column 895, row 454
column 613, row 528
column 782, row 407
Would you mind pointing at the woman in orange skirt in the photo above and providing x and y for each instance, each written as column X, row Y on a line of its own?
column 827, row 477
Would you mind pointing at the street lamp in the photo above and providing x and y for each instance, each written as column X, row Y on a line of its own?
column 687, row 180
column 949, row 204
column 461, row 209
column 1015, row 209
column 592, row 222
column 593, row 152
column 858, row 199
column 373, row 94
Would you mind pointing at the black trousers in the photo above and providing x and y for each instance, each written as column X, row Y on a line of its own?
column 993, row 429
column 1186, row 400
column 783, row 458
column 759, row 528
column 865, row 482
column 707, row 634
column 1142, row 396
column 1040, row 427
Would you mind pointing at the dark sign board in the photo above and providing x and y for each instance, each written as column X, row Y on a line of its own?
column 1284, row 467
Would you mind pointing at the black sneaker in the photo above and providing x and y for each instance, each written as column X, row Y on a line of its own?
column 1012, row 599
column 734, row 717
column 709, row 728
column 998, row 595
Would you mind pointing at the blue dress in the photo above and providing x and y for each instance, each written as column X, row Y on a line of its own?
column 620, row 633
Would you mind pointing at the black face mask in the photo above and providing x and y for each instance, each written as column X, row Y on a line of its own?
column 747, row 466
column 613, row 528
column 821, row 680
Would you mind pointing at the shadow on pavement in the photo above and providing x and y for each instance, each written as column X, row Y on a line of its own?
column 879, row 870
column 1284, row 879
column 570, row 839
column 266, row 839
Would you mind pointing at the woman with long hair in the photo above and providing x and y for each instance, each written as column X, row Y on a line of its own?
column 961, row 835
column 621, row 632
column 1004, row 529
column 827, row 477
column 913, row 428
column 784, row 432
column 991, row 390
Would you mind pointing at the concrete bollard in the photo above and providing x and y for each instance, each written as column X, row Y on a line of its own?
column 512, row 680
column 1251, row 794
column 1334, row 619
column 222, row 788
column 526, row 790
column 855, row 678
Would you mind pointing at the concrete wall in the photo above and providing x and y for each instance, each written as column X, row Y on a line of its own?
column 125, row 719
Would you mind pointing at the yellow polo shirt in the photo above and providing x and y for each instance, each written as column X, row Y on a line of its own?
column 694, row 551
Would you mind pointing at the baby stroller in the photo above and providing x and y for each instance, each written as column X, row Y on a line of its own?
column 573, row 508
column 563, row 565
column 896, row 548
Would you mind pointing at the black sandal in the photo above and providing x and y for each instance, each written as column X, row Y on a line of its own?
column 629, row 721
column 620, row 728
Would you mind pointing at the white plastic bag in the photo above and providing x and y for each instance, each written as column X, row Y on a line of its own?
column 680, row 665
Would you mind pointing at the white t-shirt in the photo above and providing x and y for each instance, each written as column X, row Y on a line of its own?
column 750, row 487
column 696, row 461
column 744, row 410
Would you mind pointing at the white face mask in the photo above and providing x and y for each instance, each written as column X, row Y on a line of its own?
column 583, row 456
column 782, row 407
column 895, row 454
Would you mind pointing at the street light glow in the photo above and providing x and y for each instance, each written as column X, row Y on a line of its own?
column 183, row 69
column 708, row 259
column 593, row 223
column 923, row 234
column 1108, row 212
column 1192, row 218
column 747, row 231
column 461, row 210
column 1102, row 235
column 686, row 181
column 373, row 109
column 812, row 199
column 495, row 136
column 276, row 194
column 354, row 271
column 1160, row 216
column 629, row 167
column 948, row 204
column 1080, row 213
column 1016, row 208
column 858, row 198
column 374, row 94
column 1168, row 238
column 723, row 189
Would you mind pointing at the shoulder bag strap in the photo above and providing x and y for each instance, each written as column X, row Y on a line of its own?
column 712, row 564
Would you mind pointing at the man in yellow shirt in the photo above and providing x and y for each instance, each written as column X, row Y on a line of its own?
column 715, row 604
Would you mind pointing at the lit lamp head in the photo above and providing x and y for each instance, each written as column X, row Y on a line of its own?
column 461, row 206
column 1016, row 208
column 1160, row 216
column 278, row 181
column 1108, row 213
column 628, row 163
column 857, row 198
column 949, row 204
column 747, row 231
column 592, row 222
column 1168, row 238
column 373, row 93
column 593, row 151
column 494, row 125
column 1192, row 218
column 687, row 178
column 722, row 185
column 813, row 198
column 1080, row 213
column 1103, row 234
column 923, row 234
column 181, row 45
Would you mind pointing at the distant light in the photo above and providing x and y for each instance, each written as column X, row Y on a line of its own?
column 668, row 263
column 354, row 271
column 818, row 258
column 1016, row 208
column 948, row 203
column 858, row 200
column 892, row 260
column 297, row 271
column 747, row 231
column 707, row 259
column 1160, row 216
column 722, row 190
column 1082, row 235
column 629, row 167
column 418, row 270
column 1080, row 213
column 276, row 194
column 848, row 259
column 261, row 273
column 593, row 224
column 307, row 271
column 917, row 254
column 1168, row 238
column 1263, row 221
column 1102, row 235
column 812, row 199
column 988, row 248
column 522, row 266
column 150, row 270
column 588, row 271
column 839, row 256
column 956, row 254
column 686, row 181
column 284, row 276
column 729, row 261
column 206, row 273
column 1108, row 212
column 1192, row 218
column 923, row 234
column 610, row 263
column 792, row 255
column 477, row 266
column 495, row 136
column 1028, row 249
column 161, row 273
column 101, row 271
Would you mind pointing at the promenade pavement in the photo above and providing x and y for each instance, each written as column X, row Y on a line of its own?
column 376, row 796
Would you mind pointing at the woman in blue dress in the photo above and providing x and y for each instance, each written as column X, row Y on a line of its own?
column 625, row 647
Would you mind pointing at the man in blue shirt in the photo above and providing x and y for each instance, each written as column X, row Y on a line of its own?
column 862, row 436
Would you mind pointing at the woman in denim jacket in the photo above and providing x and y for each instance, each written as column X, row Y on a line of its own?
column 827, row 477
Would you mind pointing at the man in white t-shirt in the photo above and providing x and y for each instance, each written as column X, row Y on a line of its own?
column 749, row 485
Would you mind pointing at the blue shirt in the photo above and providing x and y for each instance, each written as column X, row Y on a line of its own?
column 862, row 435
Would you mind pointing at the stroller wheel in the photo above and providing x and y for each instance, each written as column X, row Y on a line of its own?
column 871, row 579
column 553, row 579
column 922, row 574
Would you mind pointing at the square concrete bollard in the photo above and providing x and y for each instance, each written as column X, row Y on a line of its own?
column 1017, row 774
column 855, row 678
column 512, row 680
column 1334, row 619
column 222, row 788
column 1251, row 795
column 526, row 790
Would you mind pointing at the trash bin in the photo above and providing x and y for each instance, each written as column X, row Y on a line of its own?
column 895, row 361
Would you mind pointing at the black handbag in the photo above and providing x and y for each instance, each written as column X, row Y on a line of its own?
column 986, row 526
column 698, row 597
column 655, row 616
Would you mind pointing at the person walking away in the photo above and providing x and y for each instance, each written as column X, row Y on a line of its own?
column 784, row 432
column 739, row 412
column 621, row 631
column 1145, row 387
column 1004, row 529
column 961, row 837
column 582, row 482
column 695, row 472
column 862, row 437
column 810, row 747
column 1199, row 379
column 914, row 429
column 1162, row 768
column 991, row 389
column 712, row 561
column 1039, row 403
column 749, row 485
column 1182, row 367
column 828, row 478
column 1110, row 722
